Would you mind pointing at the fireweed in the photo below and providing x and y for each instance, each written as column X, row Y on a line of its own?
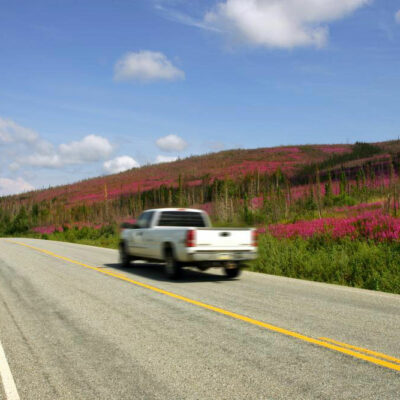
column 373, row 225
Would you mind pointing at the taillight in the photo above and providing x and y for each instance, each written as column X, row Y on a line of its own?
column 190, row 238
column 254, row 238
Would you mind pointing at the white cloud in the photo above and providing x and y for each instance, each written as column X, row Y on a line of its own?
column 171, row 143
column 91, row 148
column 10, row 132
column 14, row 186
column 22, row 146
column 146, row 66
column 42, row 160
column 120, row 164
column 397, row 17
column 280, row 23
column 165, row 159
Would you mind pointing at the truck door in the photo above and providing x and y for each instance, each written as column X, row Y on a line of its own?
column 136, row 242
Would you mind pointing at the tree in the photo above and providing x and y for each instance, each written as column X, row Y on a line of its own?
column 343, row 183
column 20, row 224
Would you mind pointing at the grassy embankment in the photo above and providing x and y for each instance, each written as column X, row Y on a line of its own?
column 357, row 263
column 107, row 236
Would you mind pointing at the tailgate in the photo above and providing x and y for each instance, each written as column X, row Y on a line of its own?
column 223, row 238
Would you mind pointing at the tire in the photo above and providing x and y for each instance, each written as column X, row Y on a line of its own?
column 173, row 269
column 233, row 272
column 124, row 257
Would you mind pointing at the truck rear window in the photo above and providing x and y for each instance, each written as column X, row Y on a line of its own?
column 182, row 218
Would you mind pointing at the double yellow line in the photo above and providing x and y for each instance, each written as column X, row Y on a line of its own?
column 373, row 357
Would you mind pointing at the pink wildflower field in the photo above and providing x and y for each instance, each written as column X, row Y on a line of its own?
column 373, row 225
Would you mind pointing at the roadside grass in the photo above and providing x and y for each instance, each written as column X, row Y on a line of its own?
column 357, row 263
column 107, row 236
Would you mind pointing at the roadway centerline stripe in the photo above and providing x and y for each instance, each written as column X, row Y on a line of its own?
column 350, row 346
column 240, row 317
column 6, row 377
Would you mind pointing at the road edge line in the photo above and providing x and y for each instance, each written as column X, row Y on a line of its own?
column 7, row 378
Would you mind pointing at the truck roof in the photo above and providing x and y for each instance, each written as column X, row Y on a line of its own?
column 177, row 209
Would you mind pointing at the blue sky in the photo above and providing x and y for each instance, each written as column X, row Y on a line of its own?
column 85, row 83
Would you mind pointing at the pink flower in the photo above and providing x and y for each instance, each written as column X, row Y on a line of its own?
column 373, row 225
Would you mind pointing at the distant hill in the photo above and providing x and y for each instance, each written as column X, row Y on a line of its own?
column 262, row 185
column 224, row 164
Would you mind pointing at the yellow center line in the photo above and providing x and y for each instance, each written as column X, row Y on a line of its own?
column 374, row 353
column 240, row 317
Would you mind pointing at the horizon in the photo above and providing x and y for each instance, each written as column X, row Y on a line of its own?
column 91, row 91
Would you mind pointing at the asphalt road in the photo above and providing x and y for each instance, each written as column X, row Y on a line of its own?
column 89, row 330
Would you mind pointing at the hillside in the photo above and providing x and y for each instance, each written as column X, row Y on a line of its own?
column 236, row 186
column 221, row 165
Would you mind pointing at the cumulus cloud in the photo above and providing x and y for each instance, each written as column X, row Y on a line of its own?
column 24, row 150
column 10, row 132
column 14, row 186
column 280, row 23
column 397, row 17
column 23, row 146
column 120, row 164
column 42, row 160
column 27, row 147
column 146, row 66
column 171, row 143
column 91, row 148
column 165, row 159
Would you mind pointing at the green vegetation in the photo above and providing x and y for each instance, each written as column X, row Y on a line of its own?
column 360, row 150
column 18, row 224
column 357, row 263
column 107, row 236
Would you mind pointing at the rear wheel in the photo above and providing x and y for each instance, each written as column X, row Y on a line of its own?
column 173, row 269
column 124, row 257
column 232, row 270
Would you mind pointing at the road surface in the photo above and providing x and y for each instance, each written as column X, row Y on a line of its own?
column 75, row 325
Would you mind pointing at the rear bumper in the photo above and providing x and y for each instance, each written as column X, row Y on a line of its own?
column 221, row 256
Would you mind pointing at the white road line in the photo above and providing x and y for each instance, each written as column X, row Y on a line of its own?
column 6, row 377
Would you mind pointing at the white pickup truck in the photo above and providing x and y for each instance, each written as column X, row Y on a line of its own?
column 184, row 237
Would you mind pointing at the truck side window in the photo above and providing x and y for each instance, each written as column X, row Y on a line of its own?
column 144, row 220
